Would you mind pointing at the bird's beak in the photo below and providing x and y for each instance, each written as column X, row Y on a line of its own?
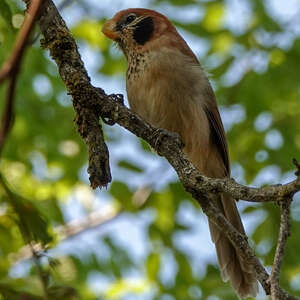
column 109, row 29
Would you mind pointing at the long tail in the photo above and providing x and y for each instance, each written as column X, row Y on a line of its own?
column 233, row 268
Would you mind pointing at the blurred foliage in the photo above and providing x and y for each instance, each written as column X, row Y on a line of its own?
column 252, row 52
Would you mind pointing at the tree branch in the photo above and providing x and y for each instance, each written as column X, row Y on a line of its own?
column 8, row 112
column 10, row 69
column 284, row 232
column 12, row 63
column 90, row 100
column 73, row 73
column 69, row 230
column 79, row 226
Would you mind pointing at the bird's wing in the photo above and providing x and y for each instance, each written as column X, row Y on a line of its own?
column 218, row 132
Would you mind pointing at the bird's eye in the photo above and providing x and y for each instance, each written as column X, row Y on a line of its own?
column 125, row 21
column 129, row 19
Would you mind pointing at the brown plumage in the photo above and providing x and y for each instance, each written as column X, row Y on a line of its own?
column 168, row 88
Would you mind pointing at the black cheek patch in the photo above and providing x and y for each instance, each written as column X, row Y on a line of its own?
column 143, row 30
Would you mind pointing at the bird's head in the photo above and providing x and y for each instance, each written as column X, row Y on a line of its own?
column 136, row 28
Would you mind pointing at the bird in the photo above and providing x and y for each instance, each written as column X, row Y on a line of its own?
column 167, row 87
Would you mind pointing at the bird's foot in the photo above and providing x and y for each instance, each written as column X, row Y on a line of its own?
column 160, row 135
column 117, row 97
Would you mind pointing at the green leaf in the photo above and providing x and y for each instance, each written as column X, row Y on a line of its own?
column 122, row 194
column 145, row 146
column 63, row 293
column 31, row 222
column 5, row 12
column 89, row 30
column 129, row 166
column 152, row 266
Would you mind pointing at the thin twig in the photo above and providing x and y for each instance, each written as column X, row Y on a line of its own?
column 284, row 233
column 297, row 165
column 92, row 221
column 8, row 112
column 13, row 61
column 70, row 230
column 10, row 70
column 79, row 226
